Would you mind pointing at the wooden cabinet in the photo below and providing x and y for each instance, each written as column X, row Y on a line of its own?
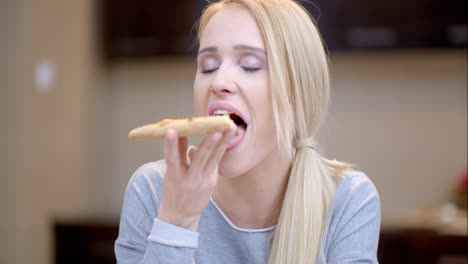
column 143, row 28
column 420, row 246
column 149, row 28
column 90, row 242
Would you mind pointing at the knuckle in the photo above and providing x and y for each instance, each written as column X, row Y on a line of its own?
column 214, row 138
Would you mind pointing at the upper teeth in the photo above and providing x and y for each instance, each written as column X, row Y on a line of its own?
column 221, row 112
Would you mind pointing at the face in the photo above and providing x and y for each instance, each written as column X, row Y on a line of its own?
column 232, row 77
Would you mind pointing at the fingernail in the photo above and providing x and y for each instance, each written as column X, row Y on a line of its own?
column 170, row 133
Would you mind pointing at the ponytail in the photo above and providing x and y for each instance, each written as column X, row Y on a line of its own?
column 307, row 201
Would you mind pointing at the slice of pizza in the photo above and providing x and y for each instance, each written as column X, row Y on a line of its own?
column 184, row 127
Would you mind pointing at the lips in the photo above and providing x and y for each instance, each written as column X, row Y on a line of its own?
column 236, row 116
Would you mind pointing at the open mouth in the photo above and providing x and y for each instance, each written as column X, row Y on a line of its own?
column 240, row 123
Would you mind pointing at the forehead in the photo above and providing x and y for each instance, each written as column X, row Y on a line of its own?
column 232, row 25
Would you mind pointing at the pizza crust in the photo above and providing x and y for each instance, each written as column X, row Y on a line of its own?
column 184, row 127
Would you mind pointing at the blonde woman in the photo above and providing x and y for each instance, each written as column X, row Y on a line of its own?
column 262, row 194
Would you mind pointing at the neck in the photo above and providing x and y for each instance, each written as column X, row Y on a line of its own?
column 253, row 200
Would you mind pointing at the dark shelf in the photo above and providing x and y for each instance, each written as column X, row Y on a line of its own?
column 93, row 242
column 148, row 28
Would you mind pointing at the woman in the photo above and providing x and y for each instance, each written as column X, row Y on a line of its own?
column 261, row 194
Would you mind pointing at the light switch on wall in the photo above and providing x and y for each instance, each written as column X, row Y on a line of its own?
column 45, row 76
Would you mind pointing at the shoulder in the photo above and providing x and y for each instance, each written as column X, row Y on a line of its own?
column 146, row 182
column 355, row 186
column 356, row 202
column 354, row 221
column 140, row 206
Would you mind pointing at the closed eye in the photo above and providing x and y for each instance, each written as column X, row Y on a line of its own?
column 208, row 71
column 208, row 63
column 250, row 69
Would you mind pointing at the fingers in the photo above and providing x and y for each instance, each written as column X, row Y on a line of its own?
column 218, row 152
column 203, row 159
column 203, row 153
column 171, row 149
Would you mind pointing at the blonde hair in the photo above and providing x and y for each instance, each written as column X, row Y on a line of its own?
column 299, row 81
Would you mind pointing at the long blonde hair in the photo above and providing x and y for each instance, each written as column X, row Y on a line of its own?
column 299, row 81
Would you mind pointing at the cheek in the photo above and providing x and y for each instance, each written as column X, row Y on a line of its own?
column 262, row 101
column 264, row 112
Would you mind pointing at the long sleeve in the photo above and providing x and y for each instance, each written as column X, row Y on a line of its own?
column 142, row 237
column 355, row 227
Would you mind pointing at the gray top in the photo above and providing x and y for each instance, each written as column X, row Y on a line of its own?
column 352, row 230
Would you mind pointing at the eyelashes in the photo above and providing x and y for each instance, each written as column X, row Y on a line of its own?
column 246, row 69
column 208, row 71
column 250, row 69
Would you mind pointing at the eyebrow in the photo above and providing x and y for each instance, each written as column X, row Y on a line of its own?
column 246, row 47
column 208, row 49
column 236, row 47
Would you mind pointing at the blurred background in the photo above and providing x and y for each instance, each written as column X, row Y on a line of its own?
column 77, row 75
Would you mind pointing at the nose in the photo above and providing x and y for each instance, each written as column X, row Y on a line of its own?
column 223, row 82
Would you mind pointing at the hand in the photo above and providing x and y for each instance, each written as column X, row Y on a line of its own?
column 187, row 188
